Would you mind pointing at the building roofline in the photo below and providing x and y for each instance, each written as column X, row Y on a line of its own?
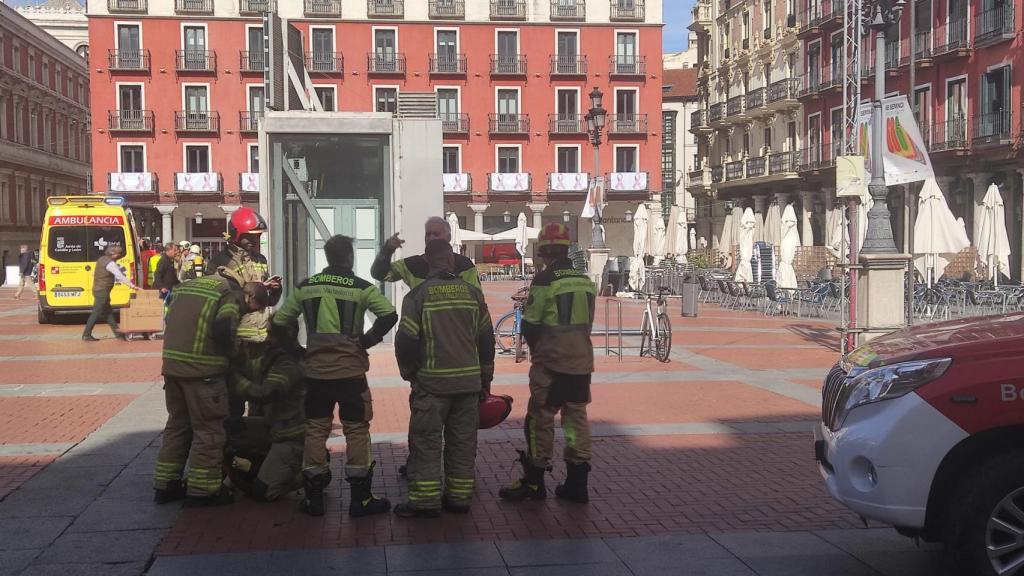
column 55, row 47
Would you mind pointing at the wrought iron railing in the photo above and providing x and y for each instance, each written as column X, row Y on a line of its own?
column 782, row 162
column 786, row 89
column 130, row 121
column 755, row 99
column 628, row 10
column 568, row 9
column 992, row 126
column 455, row 123
column 508, row 10
column 385, row 63
column 196, row 60
column 252, row 61
column 447, row 9
column 196, row 121
column 508, row 123
column 322, row 8
column 193, row 6
column 949, row 135
column 716, row 112
column 756, row 166
column 995, row 23
column 249, row 122
column 129, row 6
column 627, row 124
column 256, row 6
column 508, row 64
column 574, row 124
column 734, row 106
column 447, row 63
column 128, row 59
column 385, row 8
column 734, row 170
column 628, row 65
column 568, row 65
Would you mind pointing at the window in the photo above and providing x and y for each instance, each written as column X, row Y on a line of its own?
column 32, row 66
column 767, row 74
column 133, row 158
column 508, row 52
column 768, row 20
column 568, row 53
column 451, row 159
column 385, row 48
column 567, row 106
column 791, row 65
column 625, row 159
column 625, row 52
column 325, row 94
column 508, row 159
column 19, row 205
column 836, row 132
column 447, row 51
column 956, row 100
column 254, row 158
column 836, row 61
column 746, row 30
column 257, row 100
column 746, row 144
column 46, row 75
column 508, row 102
column 791, row 137
column 448, row 105
column 568, row 159
column 129, row 45
column 923, row 109
column 130, row 108
column 323, row 49
column 197, row 158
column 814, row 65
column 254, row 44
column 995, row 102
column 625, row 111
column 34, row 207
column 5, row 203
column 386, row 99
column 58, row 74
column 767, row 139
column 33, row 128
column 196, row 100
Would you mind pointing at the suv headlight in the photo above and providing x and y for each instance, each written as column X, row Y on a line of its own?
column 887, row 382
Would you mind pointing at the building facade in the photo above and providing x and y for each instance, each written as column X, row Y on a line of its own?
column 64, row 20
column 968, row 66
column 44, row 127
column 679, row 148
column 180, row 86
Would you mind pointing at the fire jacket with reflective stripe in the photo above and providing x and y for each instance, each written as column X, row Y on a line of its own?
column 414, row 269
column 445, row 342
column 275, row 382
column 333, row 304
column 245, row 266
column 558, row 318
column 200, row 327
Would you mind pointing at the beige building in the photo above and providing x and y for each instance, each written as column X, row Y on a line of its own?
column 63, row 19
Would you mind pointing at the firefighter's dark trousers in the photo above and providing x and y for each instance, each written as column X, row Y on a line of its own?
column 281, row 469
column 442, row 441
column 552, row 393
column 196, row 410
column 355, row 407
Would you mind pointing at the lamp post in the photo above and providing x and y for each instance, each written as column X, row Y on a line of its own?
column 879, row 238
column 596, row 117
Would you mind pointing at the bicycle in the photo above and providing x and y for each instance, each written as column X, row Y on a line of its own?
column 508, row 330
column 656, row 329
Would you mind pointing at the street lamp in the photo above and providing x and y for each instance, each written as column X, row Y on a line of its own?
column 879, row 239
column 596, row 117
column 199, row 217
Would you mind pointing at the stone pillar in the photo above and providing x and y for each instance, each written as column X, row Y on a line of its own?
column 880, row 285
column 1020, row 196
column 807, row 231
column 478, row 223
column 167, row 227
column 538, row 211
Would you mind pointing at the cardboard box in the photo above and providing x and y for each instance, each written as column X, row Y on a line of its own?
column 145, row 312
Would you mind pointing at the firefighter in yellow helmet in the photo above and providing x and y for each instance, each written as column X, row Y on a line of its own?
column 556, row 324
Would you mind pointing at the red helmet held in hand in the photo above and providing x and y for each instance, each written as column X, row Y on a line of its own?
column 494, row 410
column 245, row 221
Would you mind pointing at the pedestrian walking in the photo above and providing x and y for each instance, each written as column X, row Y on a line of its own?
column 26, row 265
column 165, row 276
column 556, row 323
column 445, row 350
column 198, row 341
column 107, row 273
column 333, row 304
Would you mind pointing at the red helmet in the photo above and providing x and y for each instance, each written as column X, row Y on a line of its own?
column 553, row 234
column 493, row 410
column 245, row 221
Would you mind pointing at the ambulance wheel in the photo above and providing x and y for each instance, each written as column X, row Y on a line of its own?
column 45, row 317
column 986, row 531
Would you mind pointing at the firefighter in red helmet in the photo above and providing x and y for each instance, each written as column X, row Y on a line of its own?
column 556, row 323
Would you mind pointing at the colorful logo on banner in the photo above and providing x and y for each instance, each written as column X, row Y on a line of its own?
column 905, row 154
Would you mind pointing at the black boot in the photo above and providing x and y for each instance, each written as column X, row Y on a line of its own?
column 222, row 497
column 529, row 487
column 175, row 490
column 575, row 487
column 364, row 503
column 314, row 502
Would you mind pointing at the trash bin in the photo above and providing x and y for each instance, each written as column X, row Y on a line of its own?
column 690, row 291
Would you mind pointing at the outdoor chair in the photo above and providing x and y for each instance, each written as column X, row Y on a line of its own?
column 777, row 300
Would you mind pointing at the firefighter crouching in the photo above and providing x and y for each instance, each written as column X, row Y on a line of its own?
column 557, row 322
column 445, row 349
column 198, row 342
column 333, row 304
column 267, row 449
column 241, row 257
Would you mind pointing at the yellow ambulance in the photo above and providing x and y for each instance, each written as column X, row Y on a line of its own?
column 76, row 232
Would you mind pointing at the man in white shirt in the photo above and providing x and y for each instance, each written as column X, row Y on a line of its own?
column 108, row 272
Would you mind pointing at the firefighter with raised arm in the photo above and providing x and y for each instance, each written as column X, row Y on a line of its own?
column 414, row 269
column 556, row 324
column 333, row 304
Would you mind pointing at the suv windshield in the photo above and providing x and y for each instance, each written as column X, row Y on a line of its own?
column 82, row 243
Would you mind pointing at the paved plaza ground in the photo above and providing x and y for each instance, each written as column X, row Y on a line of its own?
column 703, row 465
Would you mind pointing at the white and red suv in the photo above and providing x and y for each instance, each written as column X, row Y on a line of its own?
column 923, row 429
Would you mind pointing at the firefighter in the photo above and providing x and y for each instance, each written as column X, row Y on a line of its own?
column 192, row 266
column 268, row 449
column 333, row 304
column 198, row 341
column 556, row 324
column 445, row 349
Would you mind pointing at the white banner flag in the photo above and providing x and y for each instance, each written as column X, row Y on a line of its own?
column 595, row 196
column 905, row 153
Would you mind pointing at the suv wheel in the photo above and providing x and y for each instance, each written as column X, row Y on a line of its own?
column 986, row 532
column 45, row 317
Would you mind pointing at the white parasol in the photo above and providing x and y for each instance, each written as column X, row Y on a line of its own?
column 670, row 238
column 990, row 237
column 725, row 239
column 682, row 237
column 657, row 247
column 937, row 234
column 787, row 254
column 748, row 225
column 773, row 225
column 636, row 263
column 453, row 224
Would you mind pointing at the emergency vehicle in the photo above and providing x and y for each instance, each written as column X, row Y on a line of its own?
column 76, row 231
column 923, row 429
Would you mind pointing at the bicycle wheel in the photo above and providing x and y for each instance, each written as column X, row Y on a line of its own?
column 664, row 343
column 505, row 333
column 646, row 340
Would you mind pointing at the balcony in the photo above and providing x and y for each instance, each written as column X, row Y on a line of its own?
column 756, row 166
column 699, row 121
column 128, row 182
column 385, row 63
column 716, row 113
column 568, row 65
column 197, row 181
column 621, row 65
column 249, row 181
column 734, row 170
column 569, row 10
column 627, row 182
column 447, row 9
column 810, row 20
column 568, row 183
column 734, row 106
column 782, row 163
column 950, row 135
column 450, row 64
column 994, row 25
column 893, row 50
column 193, row 6
column 321, row 8
column 755, row 100
column 832, row 12
column 782, row 93
column 249, row 122
column 518, row 124
column 252, row 61
column 128, row 60
column 810, row 84
column 818, row 157
column 567, row 124
column 196, row 121
column 508, row 10
column 923, row 47
column 256, row 7
column 627, row 10
column 127, row 6
column 454, row 123
column 130, row 120
column 952, row 39
column 195, row 60
column 701, row 15
column 509, row 182
column 325, row 62
column 831, row 78
column 717, row 174
column 457, row 183
column 385, row 8
column 508, row 64
column 699, row 179
column 627, row 125
column 993, row 128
